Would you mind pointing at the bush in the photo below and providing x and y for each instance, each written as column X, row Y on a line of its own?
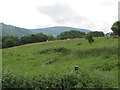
column 116, row 27
column 89, row 37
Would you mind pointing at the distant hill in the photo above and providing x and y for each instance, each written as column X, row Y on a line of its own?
column 57, row 30
column 19, row 32
column 14, row 31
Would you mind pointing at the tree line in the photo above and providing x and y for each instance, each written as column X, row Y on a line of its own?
column 10, row 41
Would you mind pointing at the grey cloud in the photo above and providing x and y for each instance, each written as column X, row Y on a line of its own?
column 109, row 2
column 61, row 13
column 106, row 3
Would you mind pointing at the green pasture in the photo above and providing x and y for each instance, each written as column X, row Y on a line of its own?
column 99, row 59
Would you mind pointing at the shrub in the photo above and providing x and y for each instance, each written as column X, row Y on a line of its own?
column 89, row 37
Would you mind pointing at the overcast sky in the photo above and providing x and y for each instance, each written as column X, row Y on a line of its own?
column 96, row 15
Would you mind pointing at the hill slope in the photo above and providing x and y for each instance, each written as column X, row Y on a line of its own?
column 17, row 31
column 57, row 30
column 14, row 31
column 51, row 60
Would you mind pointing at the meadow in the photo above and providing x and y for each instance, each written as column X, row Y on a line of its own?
column 51, row 64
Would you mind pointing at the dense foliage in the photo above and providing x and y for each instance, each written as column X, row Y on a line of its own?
column 116, row 28
column 97, row 34
column 89, row 37
column 79, row 79
column 71, row 34
column 39, row 37
column 10, row 41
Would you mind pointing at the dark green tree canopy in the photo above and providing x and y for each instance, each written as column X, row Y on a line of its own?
column 71, row 34
column 97, row 34
column 116, row 27
column 89, row 37
column 51, row 37
column 9, row 41
column 39, row 37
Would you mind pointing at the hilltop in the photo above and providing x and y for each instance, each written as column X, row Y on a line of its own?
column 10, row 30
column 58, row 29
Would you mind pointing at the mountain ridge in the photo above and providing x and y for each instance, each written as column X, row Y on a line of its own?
column 58, row 29
column 10, row 30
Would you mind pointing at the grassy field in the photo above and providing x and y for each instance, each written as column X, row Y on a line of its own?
column 51, row 64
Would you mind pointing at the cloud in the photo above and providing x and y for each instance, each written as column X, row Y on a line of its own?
column 61, row 13
column 106, row 3
column 109, row 2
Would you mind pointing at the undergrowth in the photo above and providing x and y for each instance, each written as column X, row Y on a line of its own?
column 79, row 79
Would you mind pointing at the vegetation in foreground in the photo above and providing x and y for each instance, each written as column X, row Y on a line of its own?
column 50, row 64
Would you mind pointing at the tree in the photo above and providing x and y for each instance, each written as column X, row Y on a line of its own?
column 9, row 41
column 50, row 37
column 25, row 40
column 71, row 34
column 39, row 37
column 89, row 37
column 97, row 34
column 116, row 27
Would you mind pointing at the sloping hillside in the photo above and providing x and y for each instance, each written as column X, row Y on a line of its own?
column 17, row 31
column 57, row 30
column 51, row 64
column 14, row 31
